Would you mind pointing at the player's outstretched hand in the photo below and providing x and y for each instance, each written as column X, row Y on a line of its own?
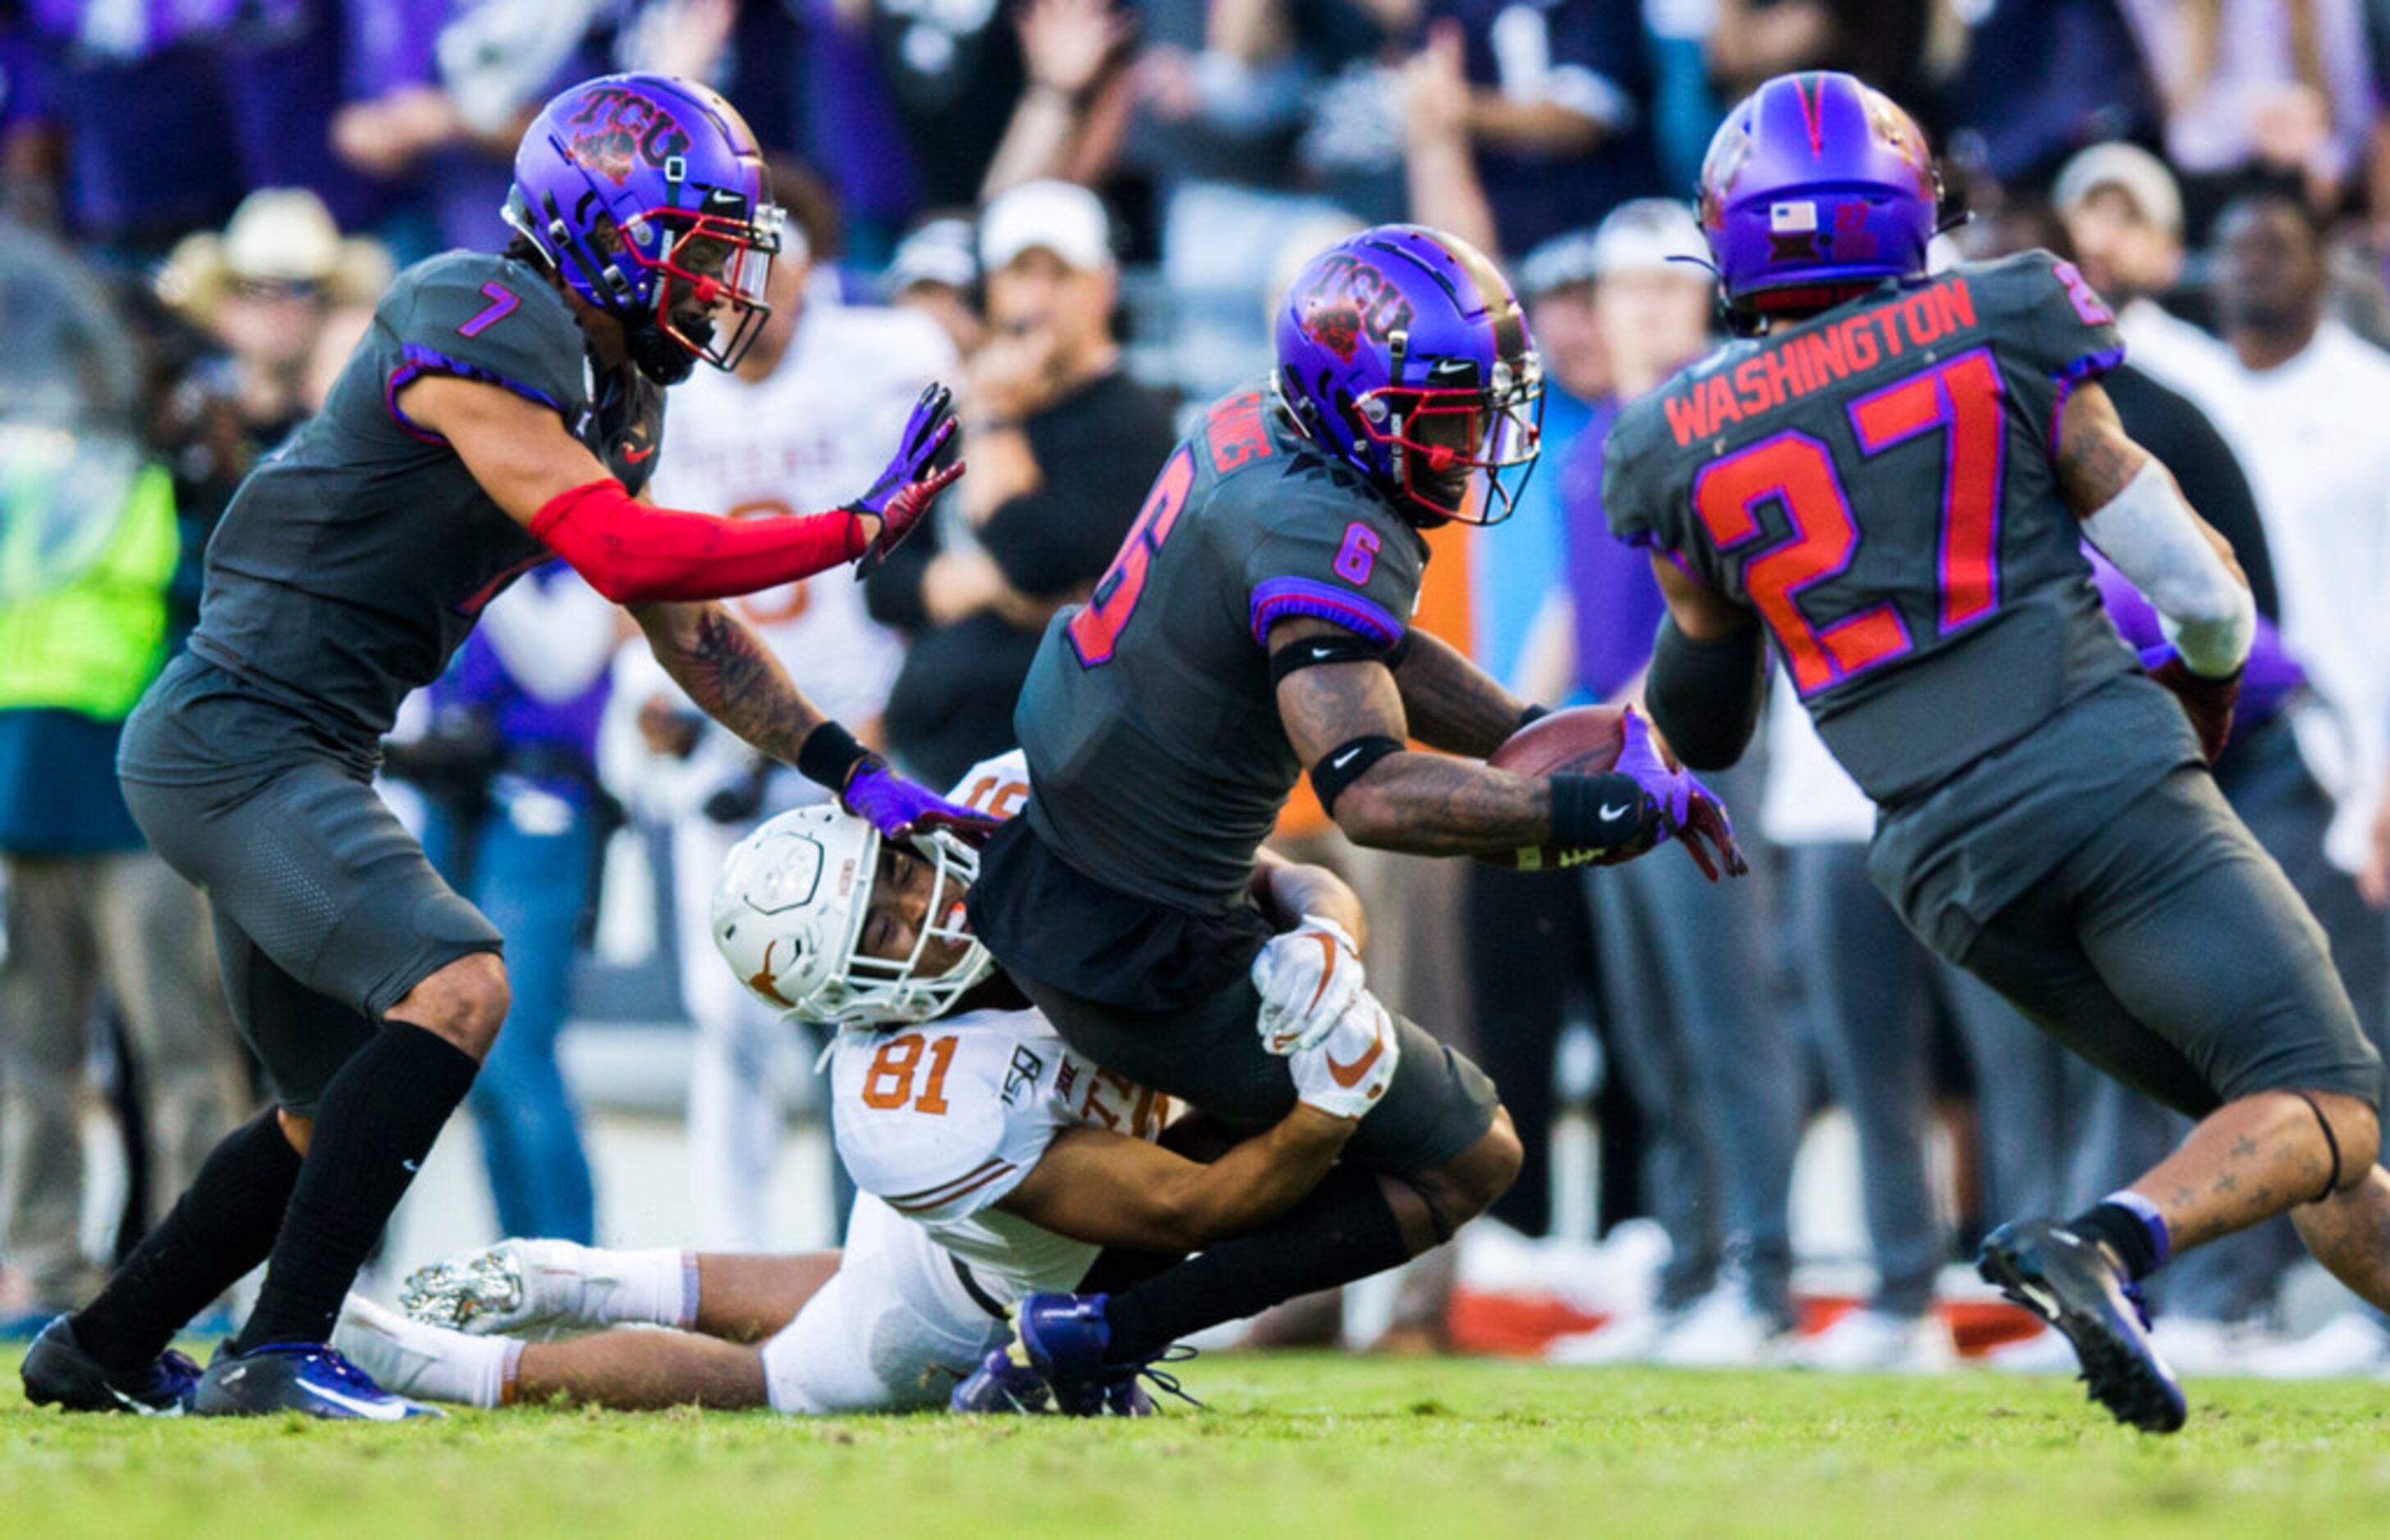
column 913, row 479
column 1686, row 810
column 1350, row 1069
column 2208, row 703
column 1307, row 977
column 900, row 810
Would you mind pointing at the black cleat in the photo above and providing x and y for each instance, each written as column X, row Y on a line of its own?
column 57, row 1372
column 2069, row 1281
column 297, row 1376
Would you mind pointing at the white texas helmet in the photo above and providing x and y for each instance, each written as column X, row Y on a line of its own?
column 789, row 913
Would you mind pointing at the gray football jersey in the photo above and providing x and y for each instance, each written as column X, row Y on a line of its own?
column 355, row 557
column 1149, row 719
column 1877, row 483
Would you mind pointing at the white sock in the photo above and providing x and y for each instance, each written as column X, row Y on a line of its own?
column 655, row 1287
column 429, row 1363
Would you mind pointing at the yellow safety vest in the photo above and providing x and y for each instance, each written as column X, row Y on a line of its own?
column 93, row 646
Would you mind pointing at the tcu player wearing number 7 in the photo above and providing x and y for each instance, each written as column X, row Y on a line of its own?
column 1254, row 623
column 1894, row 472
column 994, row 1161
column 502, row 410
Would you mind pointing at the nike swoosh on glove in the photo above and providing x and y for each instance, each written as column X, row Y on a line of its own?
column 1307, row 978
column 1688, row 811
column 901, row 810
column 913, row 479
column 1349, row 1071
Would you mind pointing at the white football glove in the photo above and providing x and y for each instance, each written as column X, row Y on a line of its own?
column 1349, row 1069
column 1308, row 977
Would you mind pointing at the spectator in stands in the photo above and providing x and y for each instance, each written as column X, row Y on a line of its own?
column 936, row 272
column 2269, row 88
column 508, row 770
column 1062, row 445
column 264, row 289
column 2123, row 214
column 1556, row 111
column 2039, row 79
column 1069, row 122
column 91, row 912
column 1710, row 1063
column 1882, row 41
column 954, row 73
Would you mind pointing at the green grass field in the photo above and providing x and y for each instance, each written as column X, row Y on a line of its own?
column 1293, row 1446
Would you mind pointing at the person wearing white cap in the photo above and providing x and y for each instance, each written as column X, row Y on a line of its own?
column 1062, row 445
column 2123, row 211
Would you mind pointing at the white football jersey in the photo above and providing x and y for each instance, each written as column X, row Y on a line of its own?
column 941, row 1119
column 813, row 433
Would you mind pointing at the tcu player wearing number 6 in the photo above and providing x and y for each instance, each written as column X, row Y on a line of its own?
column 994, row 1161
column 1255, row 623
column 1893, row 473
column 501, row 410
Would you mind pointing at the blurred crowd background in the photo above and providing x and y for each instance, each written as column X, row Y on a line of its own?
column 1079, row 213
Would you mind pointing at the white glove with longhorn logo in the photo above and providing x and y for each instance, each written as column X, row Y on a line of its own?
column 1307, row 977
column 1349, row 1069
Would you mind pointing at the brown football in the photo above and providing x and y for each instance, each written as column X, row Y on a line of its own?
column 1583, row 740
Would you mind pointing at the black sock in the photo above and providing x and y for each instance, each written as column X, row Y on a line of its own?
column 2132, row 1228
column 213, row 1235
column 1344, row 1230
column 374, row 1125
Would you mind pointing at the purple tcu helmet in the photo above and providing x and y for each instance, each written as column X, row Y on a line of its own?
column 649, row 196
column 1816, row 186
column 1403, row 351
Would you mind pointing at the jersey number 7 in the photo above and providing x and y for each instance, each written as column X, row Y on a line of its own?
column 1962, row 397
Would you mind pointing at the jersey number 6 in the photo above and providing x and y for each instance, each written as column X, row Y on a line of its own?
column 1096, row 629
column 1962, row 396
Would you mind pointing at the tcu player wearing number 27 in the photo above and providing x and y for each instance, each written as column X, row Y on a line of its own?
column 1254, row 623
column 502, row 410
column 1892, row 476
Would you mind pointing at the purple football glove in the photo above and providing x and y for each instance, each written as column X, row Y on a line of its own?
column 913, row 479
column 900, row 810
column 1686, row 809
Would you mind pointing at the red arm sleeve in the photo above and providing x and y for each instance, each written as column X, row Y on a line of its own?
column 636, row 553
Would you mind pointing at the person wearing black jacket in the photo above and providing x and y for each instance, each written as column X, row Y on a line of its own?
column 1063, row 447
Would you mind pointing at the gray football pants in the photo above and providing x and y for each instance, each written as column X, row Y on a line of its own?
column 1869, row 985
column 2268, row 784
column 124, row 924
column 1709, row 1060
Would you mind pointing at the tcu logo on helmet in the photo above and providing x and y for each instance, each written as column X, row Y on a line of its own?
column 1349, row 299
column 615, row 125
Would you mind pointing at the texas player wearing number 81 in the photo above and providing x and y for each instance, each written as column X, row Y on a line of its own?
column 1893, row 473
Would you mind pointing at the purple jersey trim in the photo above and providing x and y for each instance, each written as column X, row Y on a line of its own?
column 1280, row 599
column 2091, row 365
column 421, row 360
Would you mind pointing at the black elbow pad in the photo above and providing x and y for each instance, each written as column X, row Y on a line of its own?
column 1704, row 695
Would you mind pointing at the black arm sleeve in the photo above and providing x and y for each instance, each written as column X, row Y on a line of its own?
column 1704, row 695
column 2173, row 427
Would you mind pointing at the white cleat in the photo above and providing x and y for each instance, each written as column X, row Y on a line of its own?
column 401, row 1354
column 531, row 1289
column 1872, row 1342
column 2352, row 1345
column 1723, row 1330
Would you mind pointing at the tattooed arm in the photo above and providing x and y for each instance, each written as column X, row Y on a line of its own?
column 1428, row 805
column 1452, row 703
column 731, row 675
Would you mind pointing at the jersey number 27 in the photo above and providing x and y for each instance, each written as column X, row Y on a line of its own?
column 1962, row 398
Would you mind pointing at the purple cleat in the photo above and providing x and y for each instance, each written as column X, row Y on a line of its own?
column 1056, row 1361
